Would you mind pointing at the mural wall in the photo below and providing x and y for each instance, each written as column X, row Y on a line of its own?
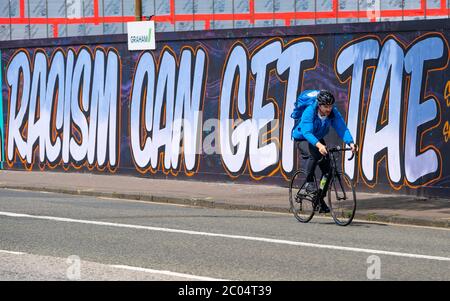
column 2, row 131
column 216, row 105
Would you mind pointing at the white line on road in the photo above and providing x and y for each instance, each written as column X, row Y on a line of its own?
column 246, row 210
column 167, row 273
column 143, row 202
column 11, row 252
column 251, row 238
column 137, row 269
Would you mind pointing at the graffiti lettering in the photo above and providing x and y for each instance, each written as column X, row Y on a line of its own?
column 394, row 64
column 167, row 119
column 294, row 60
column 69, row 112
column 234, row 138
column 447, row 94
column 421, row 111
column 63, row 106
column 2, row 131
column 446, row 131
column 387, row 87
column 356, row 55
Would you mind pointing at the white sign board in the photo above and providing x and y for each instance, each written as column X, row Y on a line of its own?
column 141, row 35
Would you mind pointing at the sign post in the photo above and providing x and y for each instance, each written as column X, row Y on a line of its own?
column 138, row 9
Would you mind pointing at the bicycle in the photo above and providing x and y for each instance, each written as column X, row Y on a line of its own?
column 338, row 187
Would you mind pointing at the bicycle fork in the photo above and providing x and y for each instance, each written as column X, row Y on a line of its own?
column 337, row 175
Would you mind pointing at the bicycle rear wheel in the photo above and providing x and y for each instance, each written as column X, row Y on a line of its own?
column 342, row 199
column 302, row 204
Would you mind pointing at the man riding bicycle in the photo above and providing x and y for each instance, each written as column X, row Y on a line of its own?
column 310, row 132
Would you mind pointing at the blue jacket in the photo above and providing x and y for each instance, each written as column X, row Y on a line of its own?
column 312, row 129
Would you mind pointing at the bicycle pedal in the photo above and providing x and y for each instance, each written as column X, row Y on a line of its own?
column 302, row 196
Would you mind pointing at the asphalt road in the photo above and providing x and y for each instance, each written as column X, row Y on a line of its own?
column 47, row 236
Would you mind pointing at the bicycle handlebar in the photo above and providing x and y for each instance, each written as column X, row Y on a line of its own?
column 340, row 149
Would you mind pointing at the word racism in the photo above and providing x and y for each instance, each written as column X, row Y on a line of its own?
column 66, row 104
column 48, row 106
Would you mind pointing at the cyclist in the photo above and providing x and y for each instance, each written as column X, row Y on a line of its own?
column 310, row 132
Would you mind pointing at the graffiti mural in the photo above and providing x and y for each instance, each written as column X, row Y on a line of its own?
column 162, row 106
column 2, row 157
column 397, row 106
column 51, row 99
column 217, row 107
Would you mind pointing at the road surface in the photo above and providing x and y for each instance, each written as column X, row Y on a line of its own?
column 48, row 236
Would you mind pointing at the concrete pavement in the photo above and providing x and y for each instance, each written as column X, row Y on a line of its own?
column 374, row 207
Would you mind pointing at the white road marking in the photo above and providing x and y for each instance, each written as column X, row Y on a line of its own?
column 259, row 211
column 12, row 252
column 167, row 273
column 144, row 202
column 250, row 238
column 138, row 269
column 246, row 210
column 22, row 190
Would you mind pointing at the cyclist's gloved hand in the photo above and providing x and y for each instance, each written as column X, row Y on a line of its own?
column 322, row 148
column 354, row 147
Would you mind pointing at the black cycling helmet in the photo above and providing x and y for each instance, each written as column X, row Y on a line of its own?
column 325, row 98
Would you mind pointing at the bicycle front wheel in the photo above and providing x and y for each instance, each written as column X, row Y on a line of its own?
column 342, row 199
column 302, row 204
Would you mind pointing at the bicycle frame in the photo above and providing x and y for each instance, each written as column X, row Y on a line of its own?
column 342, row 200
column 333, row 173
